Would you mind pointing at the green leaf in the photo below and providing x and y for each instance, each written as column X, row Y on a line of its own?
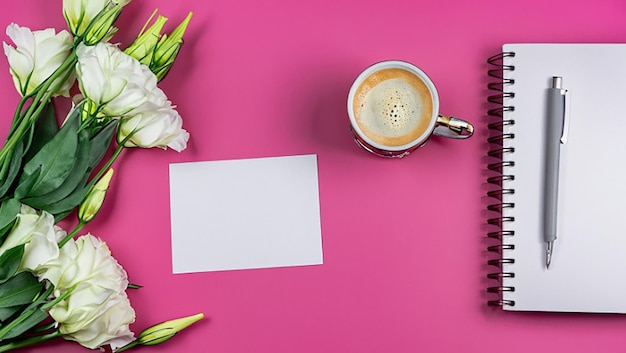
column 71, row 201
column 30, row 317
column 8, row 214
column 6, row 313
column 60, row 202
column 10, row 262
column 19, row 289
column 100, row 143
column 73, row 180
column 13, row 168
column 35, row 316
column 26, row 184
column 45, row 128
column 55, row 159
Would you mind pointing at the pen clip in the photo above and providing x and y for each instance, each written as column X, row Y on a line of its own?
column 566, row 115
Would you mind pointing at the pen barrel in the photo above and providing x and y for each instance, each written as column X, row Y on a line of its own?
column 554, row 131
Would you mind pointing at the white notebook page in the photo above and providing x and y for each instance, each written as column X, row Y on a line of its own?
column 588, row 269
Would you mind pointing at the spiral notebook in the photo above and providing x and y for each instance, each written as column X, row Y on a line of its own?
column 588, row 269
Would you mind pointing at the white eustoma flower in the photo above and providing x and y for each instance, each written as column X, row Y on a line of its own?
column 86, row 259
column 115, row 82
column 97, row 311
column 80, row 13
column 155, row 123
column 154, row 128
column 38, row 232
column 94, row 317
column 35, row 57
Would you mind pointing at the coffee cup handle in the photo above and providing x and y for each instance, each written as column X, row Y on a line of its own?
column 453, row 127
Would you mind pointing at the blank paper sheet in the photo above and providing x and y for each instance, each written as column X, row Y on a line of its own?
column 245, row 214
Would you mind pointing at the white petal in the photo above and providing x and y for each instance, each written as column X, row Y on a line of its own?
column 39, row 251
column 23, row 37
column 179, row 143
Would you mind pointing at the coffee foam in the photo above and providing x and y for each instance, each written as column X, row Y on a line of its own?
column 393, row 107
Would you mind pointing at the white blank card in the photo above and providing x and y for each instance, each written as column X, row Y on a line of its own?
column 245, row 214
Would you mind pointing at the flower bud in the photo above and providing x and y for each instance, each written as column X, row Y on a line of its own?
column 167, row 49
column 162, row 332
column 94, row 198
column 101, row 29
column 92, row 20
column 143, row 47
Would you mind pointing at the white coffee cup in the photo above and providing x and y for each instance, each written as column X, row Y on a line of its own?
column 394, row 109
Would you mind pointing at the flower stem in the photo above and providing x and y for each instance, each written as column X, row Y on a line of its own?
column 29, row 341
column 18, row 113
column 71, row 234
column 59, row 299
column 127, row 347
column 118, row 150
column 109, row 163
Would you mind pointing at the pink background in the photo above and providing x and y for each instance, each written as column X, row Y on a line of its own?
column 404, row 260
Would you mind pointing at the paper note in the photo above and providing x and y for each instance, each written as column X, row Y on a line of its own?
column 245, row 214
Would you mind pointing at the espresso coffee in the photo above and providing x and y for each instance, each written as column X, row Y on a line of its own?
column 393, row 107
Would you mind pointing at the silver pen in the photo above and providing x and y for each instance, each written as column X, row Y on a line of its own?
column 555, row 136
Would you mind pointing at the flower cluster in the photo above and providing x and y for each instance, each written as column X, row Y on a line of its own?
column 48, row 171
column 122, row 88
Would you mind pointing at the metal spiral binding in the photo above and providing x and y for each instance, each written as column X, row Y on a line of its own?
column 496, row 139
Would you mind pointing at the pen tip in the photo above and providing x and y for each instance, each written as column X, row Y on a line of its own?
column 548, row 255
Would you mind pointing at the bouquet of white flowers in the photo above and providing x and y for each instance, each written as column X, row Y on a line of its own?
column 54, row 283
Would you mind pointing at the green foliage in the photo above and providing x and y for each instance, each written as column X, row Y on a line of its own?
column 27, row 183
column 20, row 289
column 100, row 142
column 53, row 173
column 8, row 312
column 54, row 160
column 31, row 311
column 9, row 208
column 12, row 167
column 45, row 128
column 73, row 189
column 10, row 261
column 71, row 181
